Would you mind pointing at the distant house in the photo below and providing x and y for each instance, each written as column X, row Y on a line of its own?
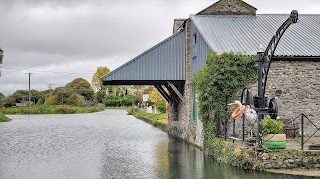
column 229, row 25
column 21, row 104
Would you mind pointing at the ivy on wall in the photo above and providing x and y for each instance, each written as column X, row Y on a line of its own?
column 218, row 83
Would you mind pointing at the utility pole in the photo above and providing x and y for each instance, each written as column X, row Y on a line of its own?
column 29, row 88
column 49, row 86
column 63, row 90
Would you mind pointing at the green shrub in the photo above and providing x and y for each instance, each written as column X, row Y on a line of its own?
column 52, row 109
column 270, row 126
column 218, row 82
column 130, row 111
column 116, row 101
column 4, row 118
column 52, row 100
column 40, row 101
column 64, row 110
column 9, row 102
column 161, row 106
column 76, row 100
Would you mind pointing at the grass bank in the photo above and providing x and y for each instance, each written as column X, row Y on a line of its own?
column 52, row 109
column 4, row 118
column 157, row 120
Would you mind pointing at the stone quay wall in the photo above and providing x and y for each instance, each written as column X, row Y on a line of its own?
column 296, row 87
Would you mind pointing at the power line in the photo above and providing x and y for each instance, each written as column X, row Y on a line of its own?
column 45, row 71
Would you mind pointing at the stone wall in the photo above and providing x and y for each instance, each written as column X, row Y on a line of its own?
column 179, row 127
column 292, row 159
column 299, row 82
column 185, row 127
column 246, row 157
column 229, row 7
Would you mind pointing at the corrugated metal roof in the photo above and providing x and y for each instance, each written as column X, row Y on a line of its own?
column 163, row 62
column 245, row 33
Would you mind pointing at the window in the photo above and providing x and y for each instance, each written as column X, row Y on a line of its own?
column 194, row 45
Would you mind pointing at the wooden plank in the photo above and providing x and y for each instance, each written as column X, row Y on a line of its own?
column 177, row 92
column 164, row 93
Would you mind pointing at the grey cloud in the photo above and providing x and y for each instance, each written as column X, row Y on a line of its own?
column 80, row 35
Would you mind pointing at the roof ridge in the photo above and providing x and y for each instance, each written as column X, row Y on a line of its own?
column 250, row 15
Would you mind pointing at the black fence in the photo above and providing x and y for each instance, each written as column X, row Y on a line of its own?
column 292, row 127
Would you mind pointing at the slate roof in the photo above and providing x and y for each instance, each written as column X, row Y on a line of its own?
column 246, row 33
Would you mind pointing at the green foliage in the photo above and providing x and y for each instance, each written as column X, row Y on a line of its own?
column 113, row 101
column 9, row 102
column 270, row 126
column 100, row 95
column 40, row 101
column 63, row 109
column 131, row 110
column 160, row 105
column 76, row 100
column 52, row 109
column 151, row 115
column 2, row 97
column 1, row 55
column 234, row 155
column 51, row 100
column 81, row 87
column 23, row 96
column 4, row 118
column 218, row 83
column 96, row 79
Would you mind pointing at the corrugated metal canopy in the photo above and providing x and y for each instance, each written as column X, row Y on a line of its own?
column 245, row 33
column 163, row 62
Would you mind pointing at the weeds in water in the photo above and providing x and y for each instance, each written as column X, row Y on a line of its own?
column 4, row 118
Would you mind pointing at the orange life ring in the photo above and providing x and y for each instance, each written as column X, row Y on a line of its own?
column 238, row 111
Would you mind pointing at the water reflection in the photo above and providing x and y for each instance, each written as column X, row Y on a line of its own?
column 108, row 144
column 188, row 162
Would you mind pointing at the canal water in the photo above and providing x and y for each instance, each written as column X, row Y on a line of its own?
column 108, row 144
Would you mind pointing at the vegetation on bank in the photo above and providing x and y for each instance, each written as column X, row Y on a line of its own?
column 231, row 154
column 154, row 118
column 54, row 109
column 218, row 83
column 118, row 101
column 159, row 117
column 4, row 118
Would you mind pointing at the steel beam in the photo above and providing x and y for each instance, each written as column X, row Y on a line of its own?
column 176, row 91
column 164, row 93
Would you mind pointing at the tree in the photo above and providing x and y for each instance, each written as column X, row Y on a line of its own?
column 2, row 96
column 9, row 102
column 1, row 55
column 96, row 79
column 155, row 95
column 157, row 99
column 76, row 100
column 20, row 95
column 51, row 100
column 81, row 87
column 23, row 95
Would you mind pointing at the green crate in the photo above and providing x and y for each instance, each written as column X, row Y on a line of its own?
column 275, row 145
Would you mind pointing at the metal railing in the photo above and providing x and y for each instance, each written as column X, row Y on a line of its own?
column 296, row 125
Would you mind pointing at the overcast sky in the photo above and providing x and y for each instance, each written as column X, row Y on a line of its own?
column 46, row 37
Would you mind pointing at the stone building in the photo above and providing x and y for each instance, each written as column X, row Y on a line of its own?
column 229, row 25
